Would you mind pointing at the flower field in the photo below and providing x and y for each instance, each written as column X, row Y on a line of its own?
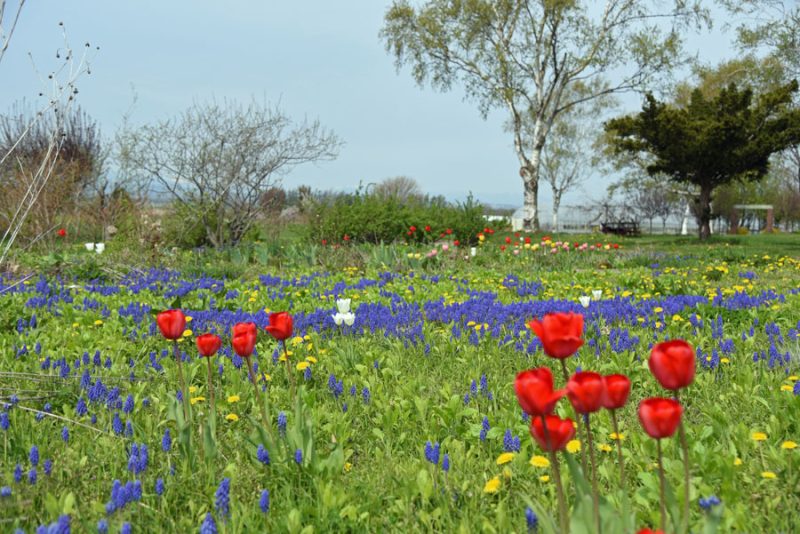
column 398, row 411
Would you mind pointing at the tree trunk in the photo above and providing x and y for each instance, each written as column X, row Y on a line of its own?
column 704, row 212
column 556, row 205
column 530, row 180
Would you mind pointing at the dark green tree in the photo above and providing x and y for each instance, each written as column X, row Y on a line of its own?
column 710, row 141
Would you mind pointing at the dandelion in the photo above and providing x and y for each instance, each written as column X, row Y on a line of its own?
column 505, row 458
column 769, row 475
column 544, row 478
column 573, row 446
column 758, row 436
column 233, row 399
column 263, row 502
column 737, row 462
column 539, row 461
column 492, row 485
column 788, row 445
column 232, row 417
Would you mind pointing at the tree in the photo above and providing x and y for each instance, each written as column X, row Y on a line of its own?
column 218, row 160
column 713, row 141
column 400, row 188
column 537, row 58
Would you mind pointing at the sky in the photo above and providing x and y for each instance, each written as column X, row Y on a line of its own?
column 317, row 59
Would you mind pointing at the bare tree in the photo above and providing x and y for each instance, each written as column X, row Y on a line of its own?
column 400, row 187
column 59, row 91
column 217, row 160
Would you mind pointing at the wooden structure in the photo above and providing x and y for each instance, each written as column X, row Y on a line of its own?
column 623, row 228
column 743, row 208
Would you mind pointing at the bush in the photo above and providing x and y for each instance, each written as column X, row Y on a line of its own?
column 371, row 218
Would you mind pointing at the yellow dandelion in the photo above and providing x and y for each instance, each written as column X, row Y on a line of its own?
column 505, row 458
column 311, row 359
column 758, row 436
column 492, row 485
column 233, row 398
column 573, row 446
column 788, row 445
column 188, row 319
column 725, row 360
column 786, row 387
column 614, row 436
column 267, row 377
column 768, row 475
column 793, row 378
column 737, row 462
column 187, row 333
column 232, row 417
column 605, row 447
column 677, row 318
column 545, row 478
column 297, row 340
column 195, row 400
column 657, row 309
column 192, row 389
column 75, row 325
column 98, row 322
column 302, row 366
column 347, row 467
column 539, row 461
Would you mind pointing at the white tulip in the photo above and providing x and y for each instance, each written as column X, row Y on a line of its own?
column 597, row 294
column 99, row 247
column 585, row 300
column 338, row 318
column 349, row 318
column 89, row 246
column 343, row 305
column 473, row 251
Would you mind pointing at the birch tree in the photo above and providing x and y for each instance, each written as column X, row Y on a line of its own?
column 541, row 57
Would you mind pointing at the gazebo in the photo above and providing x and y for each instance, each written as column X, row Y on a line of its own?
column 743, row 209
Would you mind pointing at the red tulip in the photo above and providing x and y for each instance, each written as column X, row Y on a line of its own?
column 208, row 344
column 244, row 338
column 428, row 228
column 280, row 326
column 534, row 389
column 648, row 531
column 585, row 391
column 560, row 333
column 660, row 417
column 616, row 391
column 560, row 431
column 172, row 323
column 673, row 364
column 62, row 232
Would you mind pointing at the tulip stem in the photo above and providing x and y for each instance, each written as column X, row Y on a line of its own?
column 562, row 501
column 578, row 420
column 662, row 485
column 259, row 400
column 212, row 406
column 181, row 382
column 595, row 493
column 288, row 369
column 686, row 475
column 619, row 451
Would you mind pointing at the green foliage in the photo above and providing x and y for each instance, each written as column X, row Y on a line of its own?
column 370, row 218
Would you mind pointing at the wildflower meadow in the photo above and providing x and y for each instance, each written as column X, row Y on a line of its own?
column 531, row 385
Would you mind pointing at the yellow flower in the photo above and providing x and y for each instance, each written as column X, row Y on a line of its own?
column 233, row 398
column 793, row 378
column 187, row 333
column 574, row 446
column 297, row 340
column 724, row 360
column 676, row 318
column 192, row 389
column 347, row 467
column 786, row 387
column 615, row 436
column 75, row 325
column 195, row 400
column 768, row 475
column 98, row 322
column 658, row 309
column 545, row 478
column 758, row 436
column 605, row 447
column 788, row 445
column 188, row 319
column 267, row 378
column 505, row 458
column 492, row 485
column 232, row 417
column 539, row 461
column 737, row 462
column 302, row 366
column 311, row 359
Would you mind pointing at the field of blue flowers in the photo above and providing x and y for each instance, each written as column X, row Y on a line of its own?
column 404, row 420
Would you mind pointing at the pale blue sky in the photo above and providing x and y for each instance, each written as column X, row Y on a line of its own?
column 319, row 58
